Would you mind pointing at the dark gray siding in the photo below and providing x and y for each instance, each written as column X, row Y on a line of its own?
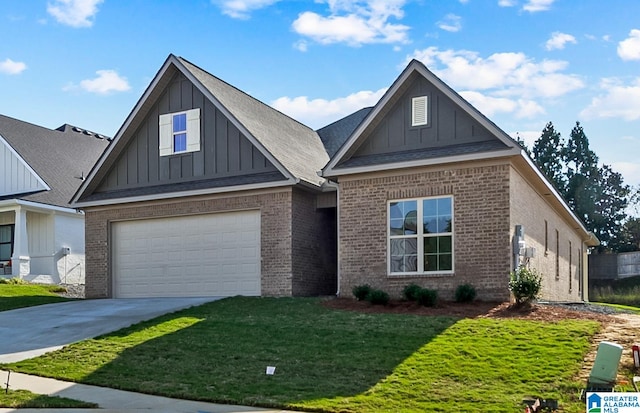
column 224, row 151
column 448, row 125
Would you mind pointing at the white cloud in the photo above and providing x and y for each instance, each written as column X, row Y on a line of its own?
column 354, row 22
column 241, row 9
column 504, row 74
column 491, row 105
column 320, row 112
column 533, row 6
column 10, row 67
column 74, row 13
column 506, row 3
column 617, row 101
column 629, row 49
column 107, row 81
column 451, row 23
column 558, row 41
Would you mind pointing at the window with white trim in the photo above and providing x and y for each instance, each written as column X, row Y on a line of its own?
column 419, row 111
column 420, row 236
column 179, row 132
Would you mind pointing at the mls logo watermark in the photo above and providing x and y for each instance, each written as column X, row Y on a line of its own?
column 613, row 402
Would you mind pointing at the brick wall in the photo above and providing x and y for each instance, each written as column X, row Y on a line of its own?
column 559, row 248
column 481, row 228
column 314, row 246
column 276, row 240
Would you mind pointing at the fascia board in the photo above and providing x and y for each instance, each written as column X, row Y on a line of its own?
column 424, row 162
column 13, row 203
column 4, row 142
column 170, row 195
column 124, row 127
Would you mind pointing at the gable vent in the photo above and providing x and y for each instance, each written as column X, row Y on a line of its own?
column 419, row 106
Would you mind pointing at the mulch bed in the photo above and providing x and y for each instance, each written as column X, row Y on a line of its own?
column 476, row 309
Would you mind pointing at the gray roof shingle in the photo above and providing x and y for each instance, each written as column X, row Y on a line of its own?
column 297, row 147
column 335, row 135
column 60, row 157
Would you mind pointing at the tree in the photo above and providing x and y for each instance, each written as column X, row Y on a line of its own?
column 596, row 194
column 628, row 238
column 548, row 152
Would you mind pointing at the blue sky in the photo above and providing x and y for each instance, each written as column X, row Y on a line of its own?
column 522, row 63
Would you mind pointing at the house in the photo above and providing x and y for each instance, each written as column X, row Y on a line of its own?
column 41, row 234
column 207, row 191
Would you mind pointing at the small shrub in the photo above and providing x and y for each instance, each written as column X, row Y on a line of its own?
column 465, row 293
column 378, row 297
column 410, row 292
column 361, row 291
column 525, row 284
column 14, row 280
column 427, row 297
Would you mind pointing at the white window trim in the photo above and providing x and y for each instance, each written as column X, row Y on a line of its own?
column 420, row 111
column 420, row 235
column 165, row 125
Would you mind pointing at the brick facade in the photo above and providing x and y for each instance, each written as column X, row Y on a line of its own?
column 559, row 249
column 277, row 236
column 314, row 246
column 481, row 228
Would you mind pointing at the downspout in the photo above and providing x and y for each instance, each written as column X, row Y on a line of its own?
column 335, row 186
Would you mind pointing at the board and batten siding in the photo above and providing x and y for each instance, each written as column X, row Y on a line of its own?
column 15, row 176
column 447, row 124
column 224, row 151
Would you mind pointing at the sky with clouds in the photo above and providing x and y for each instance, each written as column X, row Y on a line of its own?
column 522, row 63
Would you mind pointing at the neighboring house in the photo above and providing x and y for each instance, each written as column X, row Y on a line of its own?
column 207, row 191
column 41, row 235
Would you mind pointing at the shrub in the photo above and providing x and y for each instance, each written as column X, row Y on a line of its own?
column 14, row 280
column 361, row 291
column 465, row 293
column 427, row 297
column 378, row 297
column 525, row 284
column 410, row 292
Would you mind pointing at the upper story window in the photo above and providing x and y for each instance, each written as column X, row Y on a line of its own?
column 419, row 111
column 420, row 236
column 179, row 132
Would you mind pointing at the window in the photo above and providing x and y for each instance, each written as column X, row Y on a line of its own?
column 546, row 237
column 6, row 242
column 419, row 111
column 557, row 254
column 179, row 132
column 421, row 236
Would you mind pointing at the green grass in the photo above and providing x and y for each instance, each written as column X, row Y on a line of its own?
column 625, row 291
column 18, row 295
column 22, row 399
column 329, row 360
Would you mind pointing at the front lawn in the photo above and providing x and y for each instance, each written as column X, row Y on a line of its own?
column 17, row 295
column 22, row 399
column 331, row 360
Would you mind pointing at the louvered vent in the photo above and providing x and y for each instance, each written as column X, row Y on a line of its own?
column 419, row 111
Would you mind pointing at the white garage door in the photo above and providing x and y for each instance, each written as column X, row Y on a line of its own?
column 191, row 256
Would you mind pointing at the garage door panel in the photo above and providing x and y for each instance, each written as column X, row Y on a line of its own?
column 204, row 255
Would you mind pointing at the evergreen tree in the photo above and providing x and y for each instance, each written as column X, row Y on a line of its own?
column 548, row 153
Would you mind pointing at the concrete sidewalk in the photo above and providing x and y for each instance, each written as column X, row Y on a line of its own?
column 111, row 400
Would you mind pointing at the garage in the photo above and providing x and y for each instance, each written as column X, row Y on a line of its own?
column 187, row 256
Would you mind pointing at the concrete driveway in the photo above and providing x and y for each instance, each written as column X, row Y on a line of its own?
column 30, row 332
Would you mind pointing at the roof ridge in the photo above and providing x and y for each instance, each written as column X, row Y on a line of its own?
column 244, row 93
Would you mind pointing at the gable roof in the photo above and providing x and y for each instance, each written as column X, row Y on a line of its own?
column 293, row 148
column 341, row 162
column 60, row 158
